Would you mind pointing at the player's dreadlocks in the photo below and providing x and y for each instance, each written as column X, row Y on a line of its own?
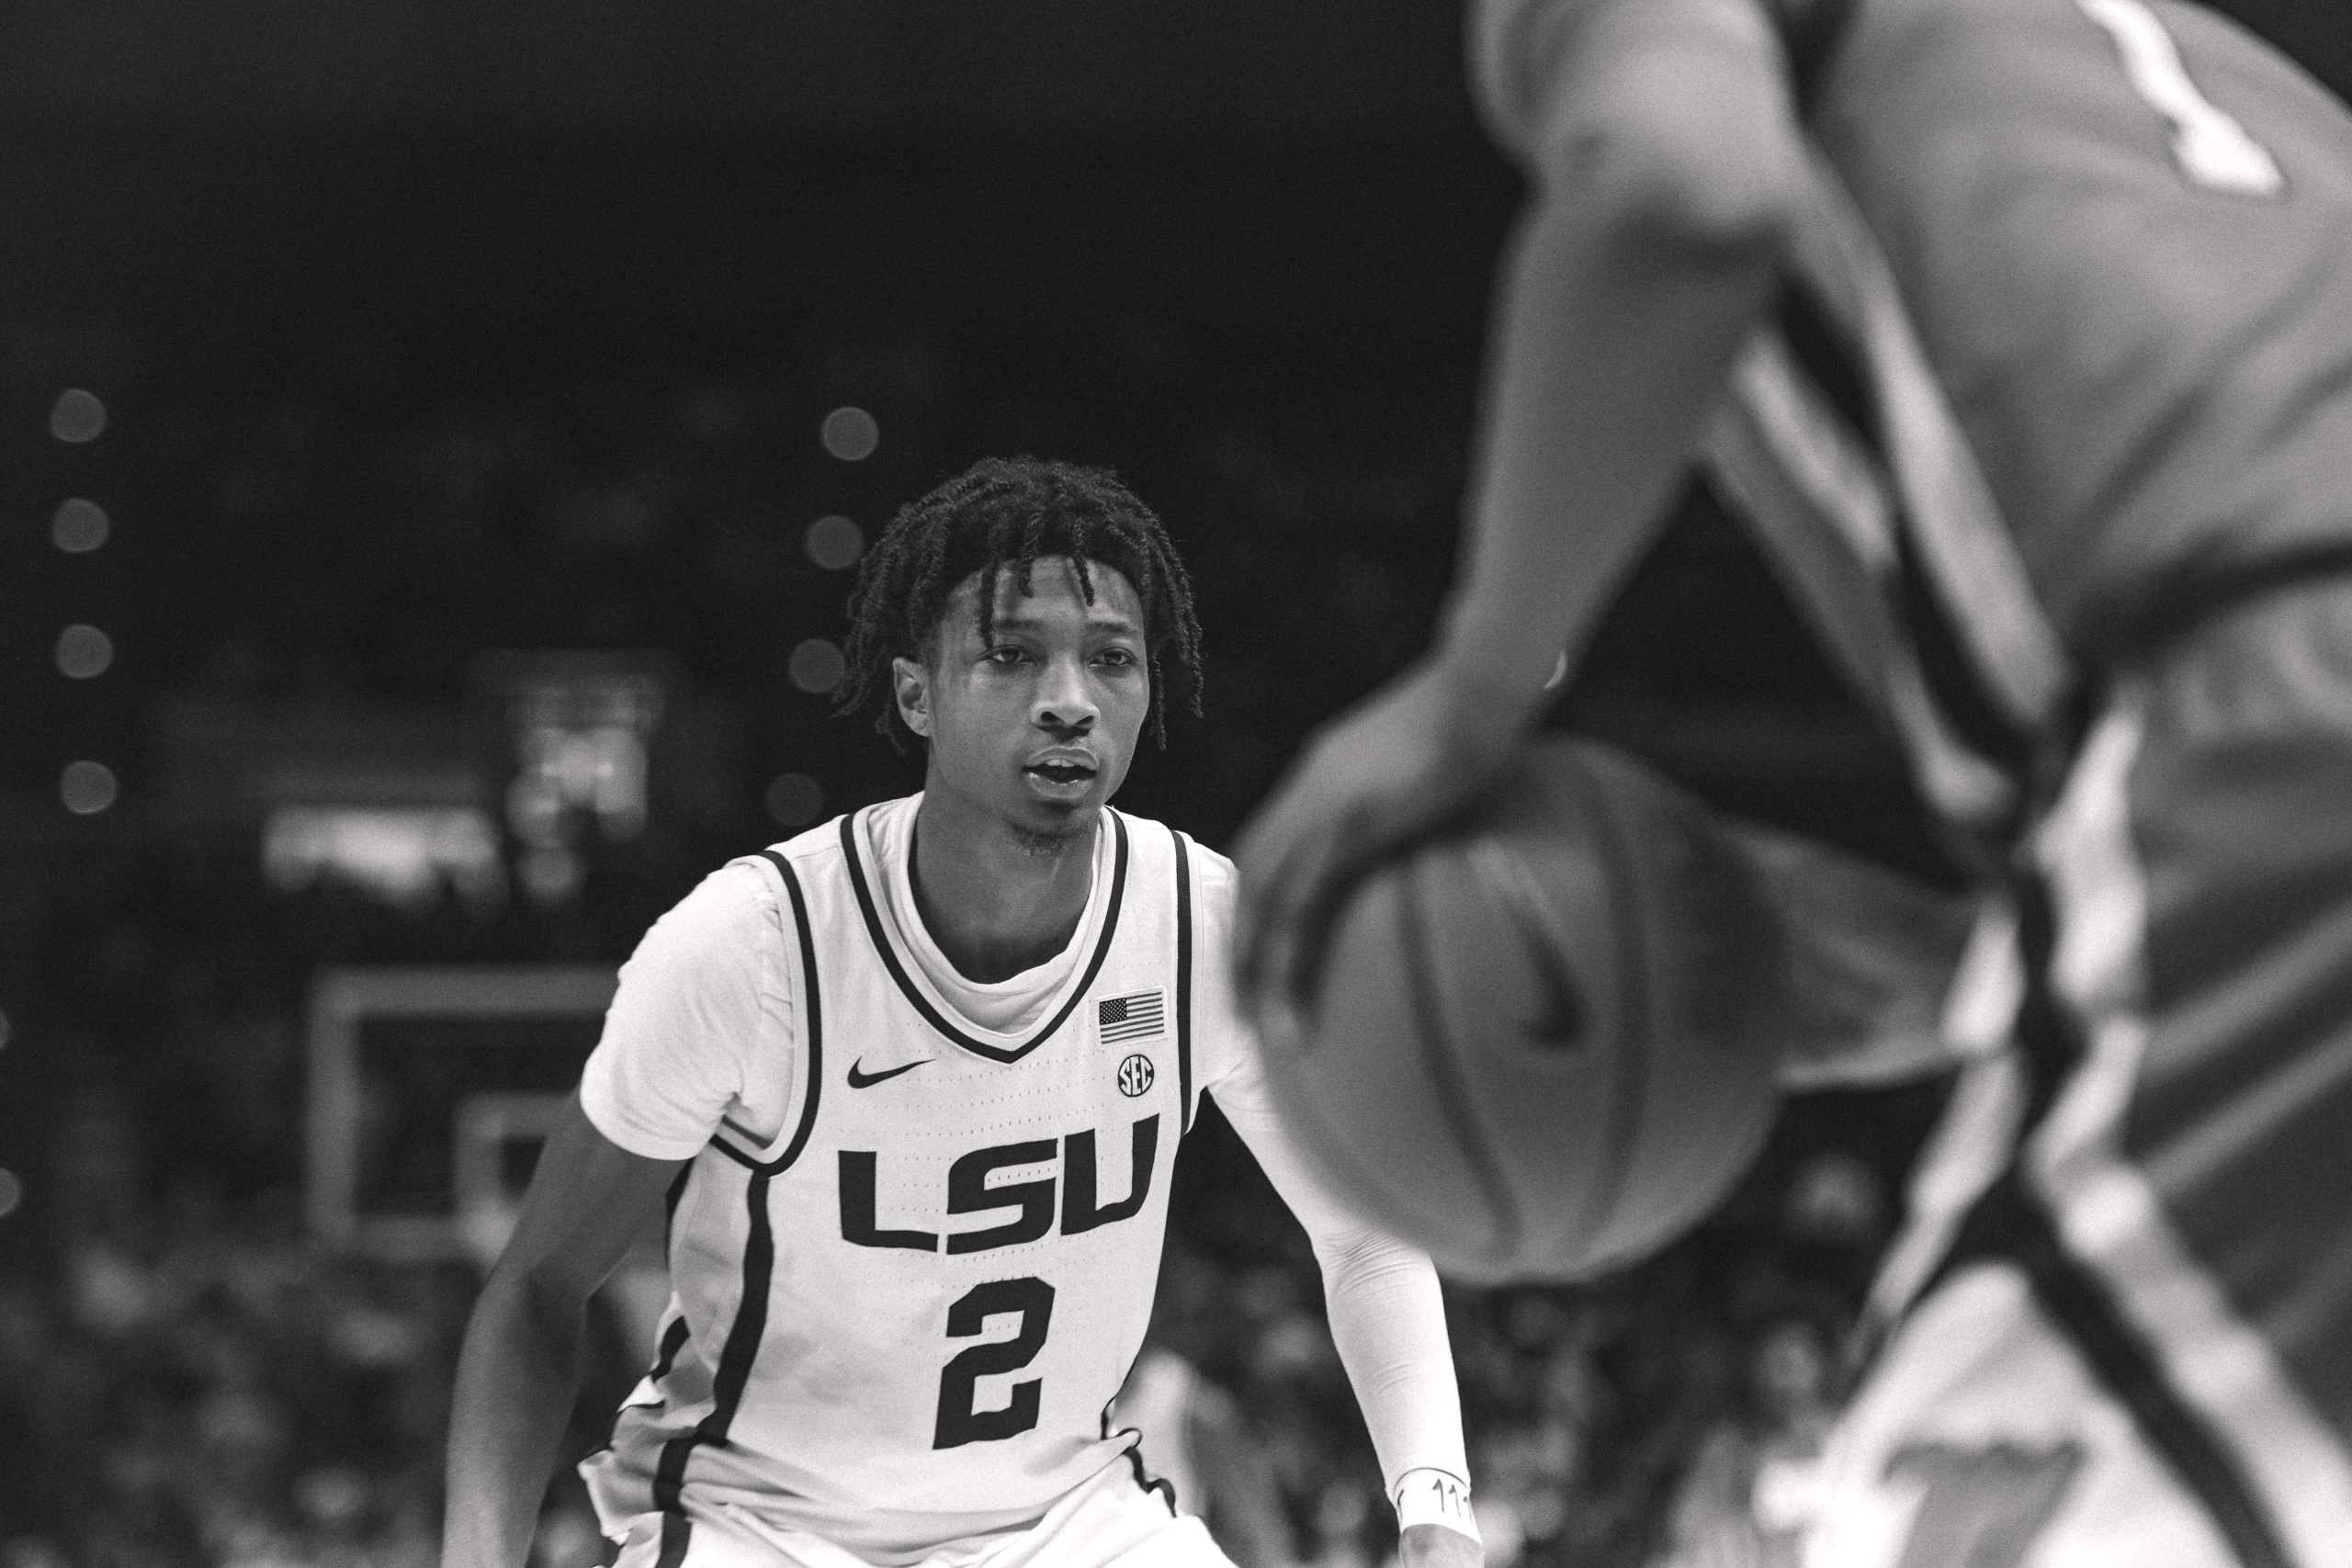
column 1007, row 512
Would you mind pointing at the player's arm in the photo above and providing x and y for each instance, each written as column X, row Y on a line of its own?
column 1666, row 166
column 589, row 1200
column 703, row 992
column 1388, row 1321
column 1380, row 1295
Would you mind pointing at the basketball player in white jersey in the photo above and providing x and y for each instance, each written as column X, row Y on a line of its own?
column 912, row 1083
column 2019, row 331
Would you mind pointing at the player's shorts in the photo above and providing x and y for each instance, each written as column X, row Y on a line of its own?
column 2140, row 1348
column 1112, row 1521
column 1984, row 1441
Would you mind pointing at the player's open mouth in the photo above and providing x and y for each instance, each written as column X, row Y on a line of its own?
column 1062, row 772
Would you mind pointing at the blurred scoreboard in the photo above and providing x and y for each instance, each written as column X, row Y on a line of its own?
column 430, row 1091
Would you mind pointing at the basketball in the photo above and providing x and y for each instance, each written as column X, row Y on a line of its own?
column 1544, row 1043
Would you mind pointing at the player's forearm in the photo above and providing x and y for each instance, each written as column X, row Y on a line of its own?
column 515, row 1386
column 1615, row 326
column 1388, row 1323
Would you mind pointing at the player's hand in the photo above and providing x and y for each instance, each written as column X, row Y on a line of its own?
column 1434, row 1546
column 1386, row 773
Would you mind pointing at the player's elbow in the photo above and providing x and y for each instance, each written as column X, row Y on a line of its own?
column 540, row 1295
column 1361, row 1255
column 1668, row 191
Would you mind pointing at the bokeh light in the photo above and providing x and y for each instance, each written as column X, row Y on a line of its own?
column 835, row 543
column 550, row 874
column 12, row 1193
column 87, row 787
column 851, row 435
column 77, row 417
column 79, row 527
column 83, row 651
column 817, row 666
column 795, row 799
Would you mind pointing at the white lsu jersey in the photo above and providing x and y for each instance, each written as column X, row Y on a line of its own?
column 919, row 1297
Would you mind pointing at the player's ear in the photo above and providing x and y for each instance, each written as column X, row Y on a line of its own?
column 910, row 688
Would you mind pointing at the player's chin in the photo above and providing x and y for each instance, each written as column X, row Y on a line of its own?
column 1055, row 813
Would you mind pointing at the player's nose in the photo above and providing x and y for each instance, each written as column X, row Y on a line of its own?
column 1064, row 700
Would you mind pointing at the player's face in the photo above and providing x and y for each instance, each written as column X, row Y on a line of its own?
column 1036, row 726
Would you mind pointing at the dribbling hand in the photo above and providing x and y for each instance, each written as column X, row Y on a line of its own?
column 1399, row 766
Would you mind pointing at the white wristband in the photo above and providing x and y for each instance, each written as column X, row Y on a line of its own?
column 1428, row 1496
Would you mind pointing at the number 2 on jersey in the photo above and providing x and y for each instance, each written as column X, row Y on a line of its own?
column 1033, row 1301
column 2213, row 148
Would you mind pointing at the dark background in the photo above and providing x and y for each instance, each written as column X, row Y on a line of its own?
column 426, row 328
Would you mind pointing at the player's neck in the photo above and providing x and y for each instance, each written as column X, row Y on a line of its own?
column 994, row 900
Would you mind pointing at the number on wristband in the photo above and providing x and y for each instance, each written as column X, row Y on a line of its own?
column 1433, row 1498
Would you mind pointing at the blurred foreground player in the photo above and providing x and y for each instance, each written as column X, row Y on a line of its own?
column 913, row 1083
column 2022, row 333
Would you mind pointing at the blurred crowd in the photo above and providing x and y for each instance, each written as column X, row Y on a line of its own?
column 1663, row 1416
column 185, row 1381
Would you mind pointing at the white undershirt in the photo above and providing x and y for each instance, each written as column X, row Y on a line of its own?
column 1010, row 1005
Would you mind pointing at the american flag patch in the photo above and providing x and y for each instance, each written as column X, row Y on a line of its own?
column 1128, row 1018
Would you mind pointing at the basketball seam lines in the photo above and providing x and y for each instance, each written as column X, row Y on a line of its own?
column 1626, row 1087
column 1453, row 1094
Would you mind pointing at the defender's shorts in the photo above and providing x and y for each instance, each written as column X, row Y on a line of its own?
column 1112, row 1521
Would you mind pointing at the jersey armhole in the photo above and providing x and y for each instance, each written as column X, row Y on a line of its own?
column 809, row 1033
column 1183, row 978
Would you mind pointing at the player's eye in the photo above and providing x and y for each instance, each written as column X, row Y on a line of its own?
column 1118, row 657
column 1003, row 658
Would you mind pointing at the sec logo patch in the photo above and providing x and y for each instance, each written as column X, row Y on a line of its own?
column 1134, row 1075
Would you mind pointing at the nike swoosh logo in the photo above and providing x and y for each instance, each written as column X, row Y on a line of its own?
column 1560, row 1021
column 867, row 1080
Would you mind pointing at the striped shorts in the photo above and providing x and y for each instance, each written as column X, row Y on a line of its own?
column 2123, row 1304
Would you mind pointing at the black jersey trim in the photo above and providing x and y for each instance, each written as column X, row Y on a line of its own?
column 812, row 1030
column 673, row 1340
column 677, row 1530
column 735, row 1358
column 1183, row 984
column 1838, row 370
column 813, row 1023
column 932, row 1015
column 2012, row 1224
column 2199, row 598
column 669, row 1202
column 1832, row 361
column 1149, row 1481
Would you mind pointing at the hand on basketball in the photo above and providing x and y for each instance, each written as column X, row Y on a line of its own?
column 1434, row 1546
column 1368, row 784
